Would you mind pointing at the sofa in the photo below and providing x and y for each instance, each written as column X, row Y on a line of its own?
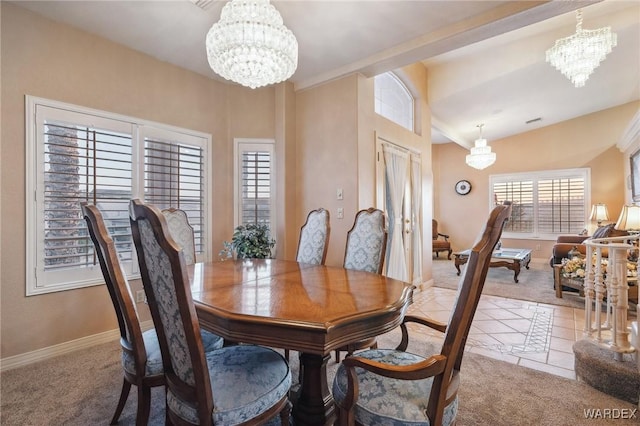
column 566, row 243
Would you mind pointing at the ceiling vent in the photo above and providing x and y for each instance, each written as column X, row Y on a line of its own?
column 203, row 4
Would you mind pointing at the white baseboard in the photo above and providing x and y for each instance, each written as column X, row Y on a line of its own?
column 27, row 358
column 426, row 284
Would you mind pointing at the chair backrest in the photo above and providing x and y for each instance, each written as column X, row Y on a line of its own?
column 118, row 287
column 469, row 291
column 314, row 238
column 166, row 283
column 434, row 229
column 182, row 232
column 366, row 242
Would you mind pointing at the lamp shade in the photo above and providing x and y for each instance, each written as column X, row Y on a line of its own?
column 599, row 213
column 629, row 219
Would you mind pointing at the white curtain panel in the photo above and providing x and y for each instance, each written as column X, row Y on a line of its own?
column 396, row 163
column 416, row 213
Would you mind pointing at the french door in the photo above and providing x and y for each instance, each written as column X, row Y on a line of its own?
column 399, row 195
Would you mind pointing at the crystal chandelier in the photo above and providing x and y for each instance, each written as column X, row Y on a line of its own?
column 250, row 44
column 578, row 55
column 481, row 156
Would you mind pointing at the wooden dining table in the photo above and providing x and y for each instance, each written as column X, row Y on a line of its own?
column 307, row 308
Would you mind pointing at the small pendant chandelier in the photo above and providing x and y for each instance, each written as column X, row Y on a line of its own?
column 250, row 44
column 578, row 55
column 481, row 156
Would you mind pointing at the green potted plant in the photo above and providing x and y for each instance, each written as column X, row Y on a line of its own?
column 252, row 241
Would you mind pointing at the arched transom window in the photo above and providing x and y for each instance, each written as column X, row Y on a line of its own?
column 393, row 100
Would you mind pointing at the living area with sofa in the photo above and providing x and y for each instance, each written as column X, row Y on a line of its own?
column 602, row 142
column 570, row 251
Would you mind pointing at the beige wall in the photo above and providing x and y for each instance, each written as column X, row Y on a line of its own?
column 327, row 156
column 588, row 141
column 287, row 236
column 46, row 59
column 336, row 138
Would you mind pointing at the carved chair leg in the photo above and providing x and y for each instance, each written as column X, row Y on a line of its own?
column 345, row 418
column 124, row 394
column 144, row 405
column 284, row 414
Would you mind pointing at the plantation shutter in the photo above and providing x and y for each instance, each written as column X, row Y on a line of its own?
column 255, row 191
column 545, row 203
column 520, row 193
column 75, row 158
column 174, row 177
column 84, row 164
column 76, row 155
column 561, row 205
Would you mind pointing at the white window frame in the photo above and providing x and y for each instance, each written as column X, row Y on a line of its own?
column 536, row 176
column 241, row 145
column 387, row 101
column 39, row 281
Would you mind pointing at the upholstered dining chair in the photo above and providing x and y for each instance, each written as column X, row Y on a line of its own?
column 313, row 242
column 182, row 232
column 439, row 242
column 365, row 250
column 239, row 384
column 418, row 390
column 314, row 238
column 141, row 360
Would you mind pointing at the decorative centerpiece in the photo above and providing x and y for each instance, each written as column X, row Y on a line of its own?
column 575, row 267
column 252, row 241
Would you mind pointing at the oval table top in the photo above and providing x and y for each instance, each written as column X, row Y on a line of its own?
column 286, row 304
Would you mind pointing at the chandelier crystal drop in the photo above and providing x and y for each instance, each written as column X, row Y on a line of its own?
column 578, row 55
column 250, row 44
column 481, row 156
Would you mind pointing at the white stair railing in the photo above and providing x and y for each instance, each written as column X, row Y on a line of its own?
column 609, row 329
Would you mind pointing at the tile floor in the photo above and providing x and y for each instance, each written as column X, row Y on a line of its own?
column 530, row 334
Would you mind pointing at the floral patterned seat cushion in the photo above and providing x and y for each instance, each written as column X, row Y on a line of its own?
column 210, row 342
column 246, row 380
column 390, row 402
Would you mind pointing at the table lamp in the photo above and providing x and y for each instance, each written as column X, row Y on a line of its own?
column 629, row 219
column 599, row 213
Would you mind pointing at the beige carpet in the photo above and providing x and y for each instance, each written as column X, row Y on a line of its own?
column 535, row 284
column 82, row 389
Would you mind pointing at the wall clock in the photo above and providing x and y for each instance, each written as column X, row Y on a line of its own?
column 463, row 187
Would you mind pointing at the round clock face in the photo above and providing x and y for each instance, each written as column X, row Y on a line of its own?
column 463, row 187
